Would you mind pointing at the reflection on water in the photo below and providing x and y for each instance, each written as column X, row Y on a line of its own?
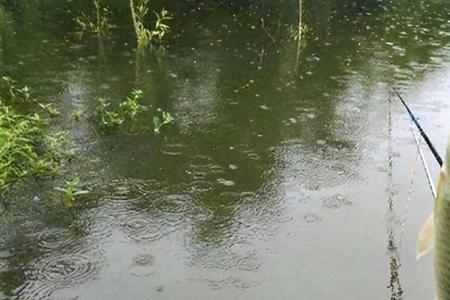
column 274, row 182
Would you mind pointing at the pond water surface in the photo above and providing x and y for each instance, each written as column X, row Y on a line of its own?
column 285, row 176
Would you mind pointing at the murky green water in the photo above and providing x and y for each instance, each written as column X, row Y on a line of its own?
column 281, row 178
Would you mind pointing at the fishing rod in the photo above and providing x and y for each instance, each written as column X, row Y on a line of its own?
column 422, row 132
column 424, row 163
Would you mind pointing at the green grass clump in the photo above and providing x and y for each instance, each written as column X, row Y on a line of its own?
column 27, row 148
column 126, row 111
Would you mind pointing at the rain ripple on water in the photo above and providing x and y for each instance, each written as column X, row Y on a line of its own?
column 53, row 238
column 52, row 273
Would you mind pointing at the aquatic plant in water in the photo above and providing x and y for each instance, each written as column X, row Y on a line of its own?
column 127, row 110
column 144, row 36
column 75, row 116
column 12, row 93
column 98, row 25
column 166, row 118
column 130, row 107
column 71, row 191
column 297, row 33
column 27, row 147
column 161, row 27
column 50, row 110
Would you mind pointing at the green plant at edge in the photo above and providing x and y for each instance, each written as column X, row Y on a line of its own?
column 27, row 147
column 10, row 92
column 71, row 191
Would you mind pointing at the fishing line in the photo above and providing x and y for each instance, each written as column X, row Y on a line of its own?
column 412, row 180
column 425, row 165
column 422, row 133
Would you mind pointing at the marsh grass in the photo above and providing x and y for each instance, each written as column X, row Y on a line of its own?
column 99, row 24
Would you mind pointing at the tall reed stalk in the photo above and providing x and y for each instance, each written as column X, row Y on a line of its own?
column 134, row 17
